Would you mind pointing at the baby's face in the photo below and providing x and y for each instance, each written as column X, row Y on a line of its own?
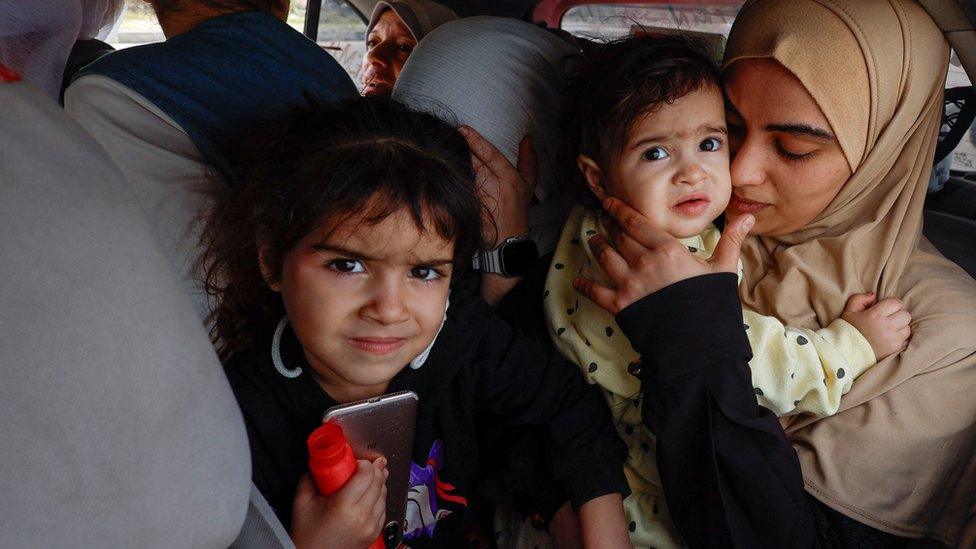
column 674, row 167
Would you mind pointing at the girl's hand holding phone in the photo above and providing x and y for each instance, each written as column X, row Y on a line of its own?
column 351, row 518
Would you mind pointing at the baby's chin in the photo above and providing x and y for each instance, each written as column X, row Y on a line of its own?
column 687, row 228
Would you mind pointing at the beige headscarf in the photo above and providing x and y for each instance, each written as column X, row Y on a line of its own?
column 900, row 454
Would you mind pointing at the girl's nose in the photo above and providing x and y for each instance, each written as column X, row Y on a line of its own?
column 387, row 303
column 689, row 173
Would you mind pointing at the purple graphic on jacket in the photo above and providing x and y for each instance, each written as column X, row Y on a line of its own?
column 426, row 492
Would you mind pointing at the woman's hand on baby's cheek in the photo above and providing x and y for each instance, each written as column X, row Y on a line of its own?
column 641, row 259
column 351, row 518
column 885, row 324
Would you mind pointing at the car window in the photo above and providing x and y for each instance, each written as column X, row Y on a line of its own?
column 964, row 155
column 609, row 21
column 138, row 26
column 341, row 32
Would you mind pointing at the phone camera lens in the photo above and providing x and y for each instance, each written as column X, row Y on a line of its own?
column 393, row 534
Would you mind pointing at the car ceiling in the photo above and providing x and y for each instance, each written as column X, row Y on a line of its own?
column 957, row 18
column 520, row 9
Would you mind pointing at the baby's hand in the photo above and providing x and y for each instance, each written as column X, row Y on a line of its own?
column 884, row 324
column 350, row 518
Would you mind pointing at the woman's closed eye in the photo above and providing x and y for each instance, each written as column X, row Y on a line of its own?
column 347, row 266
column 655, row 153
column 792, row 155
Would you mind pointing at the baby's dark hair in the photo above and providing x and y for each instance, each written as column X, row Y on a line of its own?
column 326, row 164
column 614, row 85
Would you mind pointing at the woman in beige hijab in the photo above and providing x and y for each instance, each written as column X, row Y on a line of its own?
column 835, row 107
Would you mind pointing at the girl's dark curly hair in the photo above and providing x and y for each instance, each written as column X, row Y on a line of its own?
column 326, row 164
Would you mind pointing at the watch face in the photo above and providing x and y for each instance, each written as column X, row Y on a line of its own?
column 519, row 257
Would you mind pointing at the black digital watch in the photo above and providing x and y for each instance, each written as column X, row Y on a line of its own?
column 515, row 257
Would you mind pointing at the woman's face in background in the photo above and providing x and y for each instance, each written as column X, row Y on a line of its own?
column 387, row 47
column 787, row 164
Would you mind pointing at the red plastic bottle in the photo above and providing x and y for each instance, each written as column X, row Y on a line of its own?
column 331, row 461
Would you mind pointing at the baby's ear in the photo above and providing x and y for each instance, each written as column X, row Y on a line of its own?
column 593, row 174
column 266, row 269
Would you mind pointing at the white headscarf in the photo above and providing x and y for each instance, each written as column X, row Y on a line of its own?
column 36, row 36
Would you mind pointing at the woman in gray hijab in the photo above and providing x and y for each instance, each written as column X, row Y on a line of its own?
column 394, row 29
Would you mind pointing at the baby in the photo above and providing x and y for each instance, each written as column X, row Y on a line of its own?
column 645, row 121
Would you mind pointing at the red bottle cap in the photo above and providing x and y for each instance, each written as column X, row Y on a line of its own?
column 330, row 458
column 332, row 462
column 7, row 75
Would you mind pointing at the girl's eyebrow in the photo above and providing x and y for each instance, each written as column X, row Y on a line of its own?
column 437, row 262
column 704, row 128
column 323, row 247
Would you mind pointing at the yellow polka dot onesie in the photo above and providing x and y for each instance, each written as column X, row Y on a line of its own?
column 793, row 370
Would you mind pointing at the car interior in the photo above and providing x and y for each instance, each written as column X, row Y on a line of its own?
column 86, row 448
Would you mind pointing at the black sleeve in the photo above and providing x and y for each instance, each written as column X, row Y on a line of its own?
column 729, row 474
column 522, row 305
column 523, row 383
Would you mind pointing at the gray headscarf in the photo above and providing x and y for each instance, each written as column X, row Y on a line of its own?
column 502, row 77
column 36, row 36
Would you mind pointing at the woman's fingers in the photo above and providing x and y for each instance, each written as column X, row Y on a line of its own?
column 488, row 154
column 635, row 225
column 604, row 297
column 609, row 258
column 726, row 255
column 527, row 166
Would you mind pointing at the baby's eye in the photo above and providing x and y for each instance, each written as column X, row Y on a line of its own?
column 655, row 153
column 424, row 273
column 347, row 266
column 710, row 144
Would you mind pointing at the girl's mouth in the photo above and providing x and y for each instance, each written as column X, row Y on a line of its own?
column 746, row 206
column 692, row 205
column 378, row 345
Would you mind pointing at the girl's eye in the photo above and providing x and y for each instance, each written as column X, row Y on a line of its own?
column 792, row 156
column 347, row 266
column 425, row 273
column 655, row 153
column 710, row 144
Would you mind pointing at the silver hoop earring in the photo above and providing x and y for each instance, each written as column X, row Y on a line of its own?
column 276, row 352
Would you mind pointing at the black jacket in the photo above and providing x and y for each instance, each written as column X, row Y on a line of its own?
column 730, row 476
column 480, row 369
